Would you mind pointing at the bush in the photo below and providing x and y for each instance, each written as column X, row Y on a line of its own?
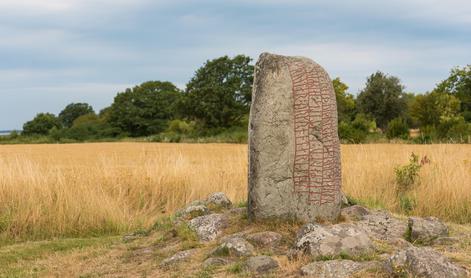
column 397, row 128
column 407, row 175
column 350, row 134
column 455, row 129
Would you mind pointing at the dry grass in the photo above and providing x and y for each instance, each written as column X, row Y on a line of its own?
column 94, row 189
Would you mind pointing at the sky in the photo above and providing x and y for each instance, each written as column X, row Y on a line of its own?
column 55, row 52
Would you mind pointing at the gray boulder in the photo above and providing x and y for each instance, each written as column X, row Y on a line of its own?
column 235, row 246
column 194, row 211
column 355, row 212
column 446, row 240
column 208, row 227
column 334, row 241
column 383, row 226
column 177, row 258
column 215, row 262
column 426, row 230
column 265, row 239
column 261, row 264
column 335, row 268
column 422, row 262
column 219, row 199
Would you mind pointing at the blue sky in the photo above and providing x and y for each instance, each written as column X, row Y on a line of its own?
column 54, row 52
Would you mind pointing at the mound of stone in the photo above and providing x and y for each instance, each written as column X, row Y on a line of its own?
column 422, row 262
column 383, row 226
column 426, row 230
column 177, row 258
column 335, row 268
column 234, row 246
column 335, row 240
column 265, row 239
column 219, row 199
column 208, row 227
column 355, row 212
column 261, row 264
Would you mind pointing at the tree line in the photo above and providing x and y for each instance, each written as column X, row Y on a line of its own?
column 217, row 99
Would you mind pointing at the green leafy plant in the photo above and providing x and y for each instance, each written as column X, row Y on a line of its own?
column 407, row 175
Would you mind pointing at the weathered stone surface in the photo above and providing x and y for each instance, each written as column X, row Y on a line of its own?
column 219, row 199
column 355, row 212
column 426, row 230
column 208, row 227
column 265, row 239
column 195, row 211
column 335, row 268
column 422, row 262
column 334, row 241
column 261, row 264
column 294, row 164
column 446, row 240
column 235, row 246
column 177, row 258
column 383, row 226
column 215, row 262
column 239, row 211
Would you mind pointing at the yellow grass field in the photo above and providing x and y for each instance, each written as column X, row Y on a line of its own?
column 106, row 188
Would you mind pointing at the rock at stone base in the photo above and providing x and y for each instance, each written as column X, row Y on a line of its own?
column 355, row 212
column 426, row 230
column 334, row 241
column 195, row 211
column 446, row 240
column 265, row 239
column 335, row 268
column 215, row 262
column 219, row 199
column 261, row 264
column 234, row 246
column 177, row 258
column 208, row 227
column 382, row 225
column 422, row 262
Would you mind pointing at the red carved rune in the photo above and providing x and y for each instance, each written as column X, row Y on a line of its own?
column 316, row 155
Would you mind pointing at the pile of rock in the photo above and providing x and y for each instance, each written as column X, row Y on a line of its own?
column 338, row 250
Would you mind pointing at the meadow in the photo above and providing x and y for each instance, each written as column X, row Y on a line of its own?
column 93, row 189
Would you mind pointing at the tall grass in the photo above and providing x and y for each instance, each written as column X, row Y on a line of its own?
column 105, row 188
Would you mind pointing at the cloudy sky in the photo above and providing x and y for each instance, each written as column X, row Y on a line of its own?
column 54, row 52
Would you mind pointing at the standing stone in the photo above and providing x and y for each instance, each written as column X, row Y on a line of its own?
column 294, row 149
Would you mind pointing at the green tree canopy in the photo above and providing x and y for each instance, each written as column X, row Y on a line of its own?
column 144, row 109
column 458, row 84
column 433, row 108
column 72, row 111
column 219, row 94
column 345, row 101
column 382, row 98
column 41, row 124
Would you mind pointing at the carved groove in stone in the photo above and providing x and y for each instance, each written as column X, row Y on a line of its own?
column 315, row 170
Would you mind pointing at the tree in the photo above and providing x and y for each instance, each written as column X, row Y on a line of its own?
column 72, row 112
column 458, row 84
column 382, row 98
column 397, row 128
column 219, row 94
column 144, row 109
column 41, row 124
column 345, row 101
column 433, row 108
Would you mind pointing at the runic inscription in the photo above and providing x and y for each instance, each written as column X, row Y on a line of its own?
column 316, row 159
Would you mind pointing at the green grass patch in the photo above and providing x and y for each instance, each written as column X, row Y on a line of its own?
column 12, row 256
